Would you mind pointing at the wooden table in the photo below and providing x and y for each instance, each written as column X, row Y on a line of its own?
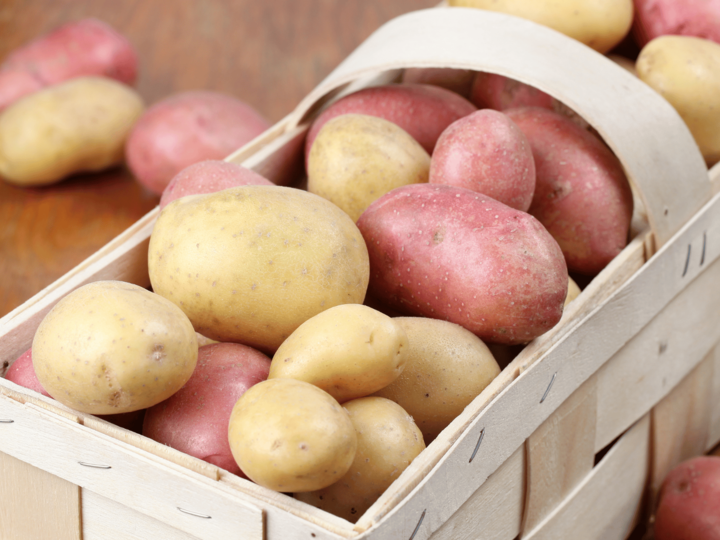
column 269, row 54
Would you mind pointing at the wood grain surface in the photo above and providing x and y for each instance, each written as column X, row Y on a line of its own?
column 269, row 54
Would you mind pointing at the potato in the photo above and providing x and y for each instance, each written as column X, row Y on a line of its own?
column 350, row 351
column 388, row 441
column 487, row 153
column 358, row 158
column 208, row 177
column 186, row 128
column 22, row 372
column 686, row 72
column 457, row 80
column 76, row 126
column 291, row 436
column 447, row 367
column 582, row 196
column 655, row 18
column 251, row 264
column 689, row 501
column 111, row 347
column 422, row 110
column 449, row 253
column 600, row 25
column 76, row 49
column 573, row 291
column 195, row 419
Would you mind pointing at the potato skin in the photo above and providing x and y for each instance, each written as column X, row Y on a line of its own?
column 358, row 158
column 449, row 253
column 655, row 18
column 76, row 49
column 250, row 264
column 686, row 71
column 76, row 126
column 582, row 196
column 195, row 419
column 689, row 501
column 487, row 153
column 388, row 441
column 111, row 347
column 186, row 128
column 208, row 177
column 291, row 436
column 350, row 351
column 22, row 372
column 422, row 110
column 600, row 25
column 447, row 367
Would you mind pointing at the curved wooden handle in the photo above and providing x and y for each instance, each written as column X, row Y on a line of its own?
column 652, row 142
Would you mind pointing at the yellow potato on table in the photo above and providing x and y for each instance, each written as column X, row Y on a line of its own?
column 599, row 24
column 388, row 441
column 289, row 435
column 446, row 368
column 250, row 264
column 349, row 351
column 356, row 159
column 111, row 347
column 685, row 70
column 77, row 126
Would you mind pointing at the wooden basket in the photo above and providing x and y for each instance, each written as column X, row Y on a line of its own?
column 571, row 440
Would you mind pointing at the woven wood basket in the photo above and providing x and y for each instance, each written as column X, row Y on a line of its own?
column 570, row 441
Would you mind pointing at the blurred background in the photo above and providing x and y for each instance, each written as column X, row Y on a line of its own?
column 268, row 54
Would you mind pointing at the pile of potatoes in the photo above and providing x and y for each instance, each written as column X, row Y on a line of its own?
column 315, row 341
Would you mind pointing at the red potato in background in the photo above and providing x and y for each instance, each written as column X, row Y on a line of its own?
column 654, row 18
column 195, row 419
column 186, row 128
column 689, row 507
column 449, row 253
column 208, row 177
column 458, row 80
column 582, row 196
column 423, row 110
column 79, row 48
column 486, row 152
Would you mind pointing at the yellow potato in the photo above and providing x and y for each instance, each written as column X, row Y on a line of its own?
column 112, row 347
column 251, row 264
column 76, row 126
column 289, row 435
column 388, row 441
column 573, row 291
column 446, row 368
column 598, row 24
column 685, row 70
column 356, row 159
column 349, row 351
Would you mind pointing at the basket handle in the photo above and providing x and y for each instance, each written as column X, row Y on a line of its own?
column 653, row 143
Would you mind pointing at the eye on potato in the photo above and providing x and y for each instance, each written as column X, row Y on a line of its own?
column 76, row 49
column 111, row 347
column 350, row 351
column 250, row 264
column 76, row 126
column 291, row 436
column 357, row 158
column 447, row 367
column 486, row 152
column 388, row 441
column 195, row 419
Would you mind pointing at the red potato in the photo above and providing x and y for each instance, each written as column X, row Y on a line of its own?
column 458, row 80
column 655, row 18
column 689, row 507
column 582, row 196
column 423, row 110
column 208, row 177
column 186, row 128
column 80, row 48
column 195, row 419
column 486, row 152
column 449, row 253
